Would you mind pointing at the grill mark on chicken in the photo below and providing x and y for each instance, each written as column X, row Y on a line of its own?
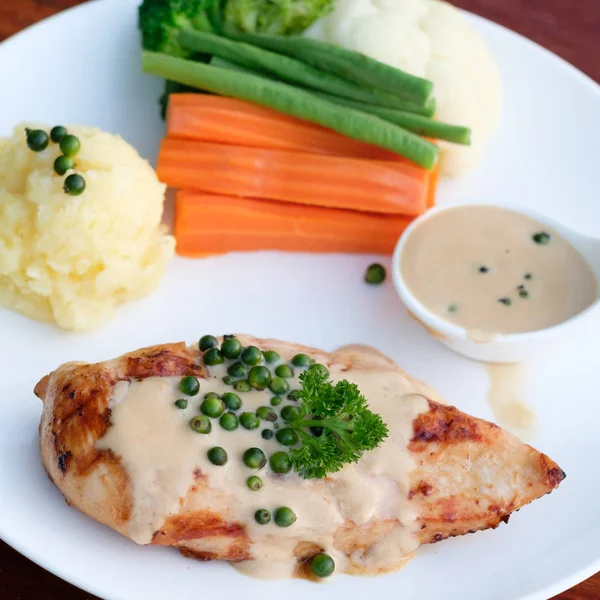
column 85, row 391
column 190, row 526
column 63, row 460
column 444, row 424
column 554, row 474
column 423, row 488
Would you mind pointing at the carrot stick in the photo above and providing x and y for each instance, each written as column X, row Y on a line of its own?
column 208, row 224
column 337, row 182
column 208, row 118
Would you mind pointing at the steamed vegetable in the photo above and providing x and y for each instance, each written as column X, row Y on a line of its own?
column 284, row 68
column 426, row 109
column 391, row 187
column 208, row 224
column 276, row 17
column 350, row 65
column 160, row 22
column 292, row 101
column 208, row 118
column 417, row 123
column 230, row 121
column 432, row 39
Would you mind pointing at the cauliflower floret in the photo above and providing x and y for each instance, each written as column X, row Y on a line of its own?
column 430, row 39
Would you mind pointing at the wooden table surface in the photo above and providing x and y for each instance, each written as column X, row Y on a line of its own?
column 570, row 29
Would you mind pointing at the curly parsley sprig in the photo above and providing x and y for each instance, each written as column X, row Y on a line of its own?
column 346, row 427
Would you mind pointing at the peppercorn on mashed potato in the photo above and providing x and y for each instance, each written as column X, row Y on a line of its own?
column 73, row 259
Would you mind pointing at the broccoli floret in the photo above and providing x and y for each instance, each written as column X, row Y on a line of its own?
column 274, row 17
column 160, row 22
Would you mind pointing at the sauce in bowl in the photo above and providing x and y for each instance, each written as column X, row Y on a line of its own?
column 493, row 270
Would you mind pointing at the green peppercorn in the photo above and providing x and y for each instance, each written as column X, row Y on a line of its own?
column 259, row 377
column 181, row 403
column 254, row 458
column 57, row 133
column 271, row 356
column 284, row 371
column 301, row 360
column 541, row 238
column 237, row 370
column 207, row 341
column 70, row 145
column 212, row 407
column 293, row 395
column 284, row 516
column 279, row 385
column 262, row 516
column 232, row 401
column 74, row 185
column 242, row 385
column 505, row 301
column 211, row 395
column 254, row 483
column 321, row 369
column 322, row 565
column 249, row 420
column 266, row 434
column 276, row 400
column 252, row 356
column 213, row 357
column 266, row 413
column 280, row 462
column 189, row 386
column 62, row 164
column 37, row 140
column 287, row 436
column 375, row 274
column 316, row 431
column 217, row 456
column 231, row 347
column 228, row 421
column 228, row 380
column 289, row 413
column 201, row 424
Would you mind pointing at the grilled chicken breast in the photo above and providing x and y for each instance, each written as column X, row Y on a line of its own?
column 120, row 450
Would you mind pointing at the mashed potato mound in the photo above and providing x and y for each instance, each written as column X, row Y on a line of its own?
column 73, row 259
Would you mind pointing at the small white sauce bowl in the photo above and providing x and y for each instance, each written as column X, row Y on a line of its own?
column 499, row 348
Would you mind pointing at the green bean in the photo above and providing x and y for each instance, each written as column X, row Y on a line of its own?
column 284, row 68
column 416, row 123
column 427, row 109
column 291, row 101
column 350, row 65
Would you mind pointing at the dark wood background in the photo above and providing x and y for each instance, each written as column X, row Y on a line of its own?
column 570, row 28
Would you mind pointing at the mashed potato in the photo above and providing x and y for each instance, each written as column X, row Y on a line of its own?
column 73, row 259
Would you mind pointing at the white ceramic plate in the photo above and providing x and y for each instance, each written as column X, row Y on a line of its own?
column 83, row 67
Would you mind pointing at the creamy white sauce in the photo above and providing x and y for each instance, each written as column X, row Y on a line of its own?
column 480, row 268
column 505, row 396
column 160, row 452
